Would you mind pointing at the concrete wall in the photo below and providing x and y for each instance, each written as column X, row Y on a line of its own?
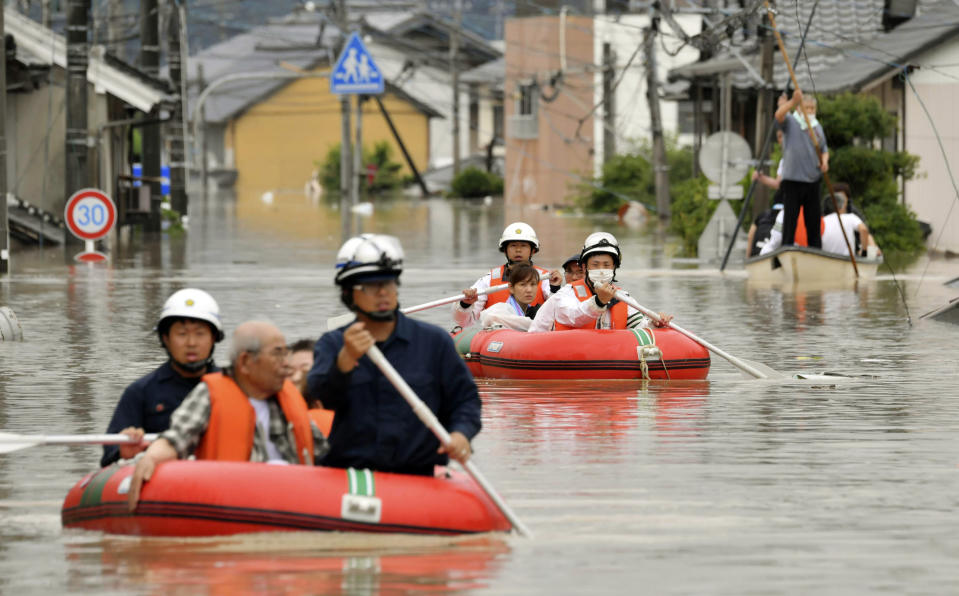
column 36, row 139
column 541, row 171
column 932, row 195
column 276, row 143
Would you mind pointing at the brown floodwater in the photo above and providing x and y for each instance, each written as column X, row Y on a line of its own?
column 724, row 486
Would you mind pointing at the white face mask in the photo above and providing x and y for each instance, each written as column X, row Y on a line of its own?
column 601, row 276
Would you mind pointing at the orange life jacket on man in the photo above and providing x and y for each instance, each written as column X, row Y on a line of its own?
column 229, row 433
column 496, row 278
column 617, row 312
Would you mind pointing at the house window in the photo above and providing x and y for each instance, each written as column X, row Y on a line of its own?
column 498, row 121
column 891, row 143
column 527, row 99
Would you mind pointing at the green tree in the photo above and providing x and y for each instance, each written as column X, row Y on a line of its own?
column 629, row 177
column 380, row 157
column 474, row 182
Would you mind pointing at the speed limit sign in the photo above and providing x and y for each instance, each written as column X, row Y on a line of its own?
column 90, row 214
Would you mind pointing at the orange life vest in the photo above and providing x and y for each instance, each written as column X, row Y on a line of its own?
column 323, row 419
column 496, row 278
column 800, row 239
column 617, row 312
column 229, row 433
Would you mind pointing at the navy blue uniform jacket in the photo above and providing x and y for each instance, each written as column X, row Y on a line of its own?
column 374, row 427
column 148, row 403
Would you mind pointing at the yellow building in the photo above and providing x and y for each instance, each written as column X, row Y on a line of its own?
column 278, row 141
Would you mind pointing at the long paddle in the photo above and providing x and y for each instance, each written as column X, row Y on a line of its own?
column 10, row 442
column 757, row 370
column 429, row 419
column 812, row 136
column 340, row 320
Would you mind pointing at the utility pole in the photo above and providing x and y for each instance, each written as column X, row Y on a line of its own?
column 175, row 126
column 455, row 78
column 4, row 218
column 660, row 165
column 76, row 151
column 204, row 167
column 609, row 102
column 45, row 13
column 765, row 109
column 346, row 161
column 150, row 63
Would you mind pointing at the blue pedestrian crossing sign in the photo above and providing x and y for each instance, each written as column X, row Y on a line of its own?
column 355, row 72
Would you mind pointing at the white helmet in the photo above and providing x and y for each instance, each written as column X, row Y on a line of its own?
column 191, row 303
column 519, row 232
column 600, row 242
column 368, row 254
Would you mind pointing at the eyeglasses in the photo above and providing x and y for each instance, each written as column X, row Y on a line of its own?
column 374, row 287
column 277, row 353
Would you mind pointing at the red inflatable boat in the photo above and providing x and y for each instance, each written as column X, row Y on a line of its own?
column 210, row 498
column 582, row 354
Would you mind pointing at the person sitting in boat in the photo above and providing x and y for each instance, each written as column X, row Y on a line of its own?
column 776, row 234
column 248, row 412
column 189, row 328
column 519, row 243
column 515, row 313
column 300, row 360
column 373, row 426
column 590, row 303
column 572, row 270
column 856, row 230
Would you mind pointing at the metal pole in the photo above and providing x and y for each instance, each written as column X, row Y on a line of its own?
column 76, row 151
column 204, row 167
column 174, row 129
column 609, row 102
column 150, row 62
column 358, row 153
column 4, row 221
column 346, row 157
column 403, row 149
column 455, row 80
column 660, row 165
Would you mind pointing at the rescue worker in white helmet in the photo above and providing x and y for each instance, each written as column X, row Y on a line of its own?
column 518, row 243
column 188, row 328
column 590, row 303
column 373, row 427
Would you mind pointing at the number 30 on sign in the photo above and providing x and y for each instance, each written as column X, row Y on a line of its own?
column 90, row 214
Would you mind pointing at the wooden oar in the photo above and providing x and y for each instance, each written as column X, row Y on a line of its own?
column 812, row 135
column 10, row 442
column 423, row 412
column 757, row 370
column 340, row 320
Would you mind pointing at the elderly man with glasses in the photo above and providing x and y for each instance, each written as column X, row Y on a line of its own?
column 248, row 412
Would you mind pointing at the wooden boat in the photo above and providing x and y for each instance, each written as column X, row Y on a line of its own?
column 805, row 265
column 210, row 498
column 582, row 354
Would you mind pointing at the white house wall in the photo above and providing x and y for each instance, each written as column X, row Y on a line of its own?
column 632, row 121
column 931, row 194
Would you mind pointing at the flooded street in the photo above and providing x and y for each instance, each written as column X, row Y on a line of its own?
column 725, row 486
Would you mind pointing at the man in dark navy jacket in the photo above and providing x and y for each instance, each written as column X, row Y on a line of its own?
column 188, row 328
column 374, row 427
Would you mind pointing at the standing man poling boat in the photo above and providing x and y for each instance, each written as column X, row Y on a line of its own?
column 590, row 303
column 373, row 426
column 519, row 243
column 188, row 328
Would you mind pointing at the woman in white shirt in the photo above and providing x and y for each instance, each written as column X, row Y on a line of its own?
column 516, row 312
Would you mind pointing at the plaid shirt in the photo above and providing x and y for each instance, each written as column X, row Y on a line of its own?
column 189, row 422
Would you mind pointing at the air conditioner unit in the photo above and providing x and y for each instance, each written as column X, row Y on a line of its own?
column 523, row 127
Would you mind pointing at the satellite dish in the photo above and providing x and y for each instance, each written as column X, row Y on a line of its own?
column 726, row 153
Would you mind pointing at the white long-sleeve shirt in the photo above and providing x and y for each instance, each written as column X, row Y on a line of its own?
column 464, row 317
column 569, row 310
column 507, row 314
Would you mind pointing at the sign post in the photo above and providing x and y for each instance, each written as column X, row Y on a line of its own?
column 90, row 215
